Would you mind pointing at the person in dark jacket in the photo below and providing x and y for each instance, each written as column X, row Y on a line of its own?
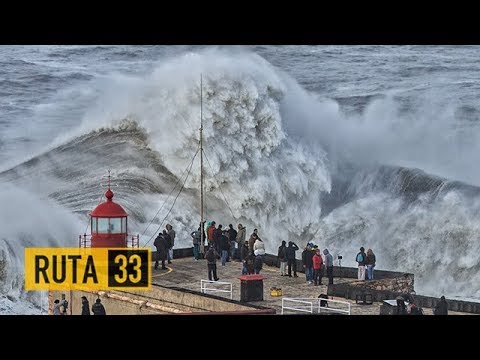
column 171, row 238
column 217, row 234
column 169, row 243
column 232, row 237
column 223, row 245
column 85, row 306
column 441, row 308
column 244, row 252
column 401, row 307
column 258, row 263
column 370, row 263
column 250, row 263
column 282, row 258
column 162, row 247
column 292, row 262
column 307, row 256
column 98, row 308
column 211, row 256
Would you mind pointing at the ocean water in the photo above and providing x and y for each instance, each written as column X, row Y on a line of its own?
column 346, row 146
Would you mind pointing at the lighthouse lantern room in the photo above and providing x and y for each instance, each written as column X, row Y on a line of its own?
column 109, row 224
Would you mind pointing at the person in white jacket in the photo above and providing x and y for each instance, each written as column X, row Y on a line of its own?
column 258, row 247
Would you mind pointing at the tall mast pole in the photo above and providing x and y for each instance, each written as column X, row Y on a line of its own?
column 201, row 162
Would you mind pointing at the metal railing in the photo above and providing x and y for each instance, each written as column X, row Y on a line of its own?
column 132, row 241
column 314, row 305
column 205, row 283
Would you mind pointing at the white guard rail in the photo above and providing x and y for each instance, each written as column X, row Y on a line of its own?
column 204, row 287
column 314, row 305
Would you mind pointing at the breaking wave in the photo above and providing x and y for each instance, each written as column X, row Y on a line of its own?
column 273, row 150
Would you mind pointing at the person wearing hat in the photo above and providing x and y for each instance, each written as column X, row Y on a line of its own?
column 85, row 306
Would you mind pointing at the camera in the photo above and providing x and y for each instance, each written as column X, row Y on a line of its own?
column 340, row 257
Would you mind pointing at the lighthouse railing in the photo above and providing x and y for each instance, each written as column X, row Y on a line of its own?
column 135, row 241
column 84, row 241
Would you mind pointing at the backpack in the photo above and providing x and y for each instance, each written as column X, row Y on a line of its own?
column 359, row 257
column 210, row 256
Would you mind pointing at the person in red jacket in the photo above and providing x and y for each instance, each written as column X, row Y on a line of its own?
column 317, row 268
column 210, row 231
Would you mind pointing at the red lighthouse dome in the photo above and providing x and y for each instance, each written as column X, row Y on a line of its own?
column 109, row 224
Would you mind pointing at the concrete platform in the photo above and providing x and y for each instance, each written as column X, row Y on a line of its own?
column 187, row 273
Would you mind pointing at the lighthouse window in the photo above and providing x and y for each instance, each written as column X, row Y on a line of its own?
column 124, row 225
column 116, row 225
column 103, row 225
column 94, row 225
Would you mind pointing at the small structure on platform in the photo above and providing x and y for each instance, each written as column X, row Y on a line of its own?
column 251, row 287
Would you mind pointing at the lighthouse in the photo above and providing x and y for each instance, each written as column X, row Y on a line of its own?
column 108, row 224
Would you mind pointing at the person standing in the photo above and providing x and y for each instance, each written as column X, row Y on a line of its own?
column 217, row 234
column 211, row 256
column 85, row 306
column 329, row 265
column 361, row 259
column 232, row 237
column 203, row 238
column 98, row 308
column 64, row 304
column 370, row 263
column 56, row 308
column 253, row 237
column 307, row 256
column 162, row 247
column 291, row 259
column 196, row 235
column 282, row 258
column 258, row 247
column 401, row 308
column 172, row 234
column 241, row 233
column 442, row 307
column 210, row 230
column 317, row 267
column 223, row 245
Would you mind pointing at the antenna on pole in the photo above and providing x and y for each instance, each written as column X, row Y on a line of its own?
column 201, row 163
column 109, row 183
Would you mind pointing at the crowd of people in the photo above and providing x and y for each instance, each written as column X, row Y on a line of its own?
column 60, row 307
column 229, row 244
